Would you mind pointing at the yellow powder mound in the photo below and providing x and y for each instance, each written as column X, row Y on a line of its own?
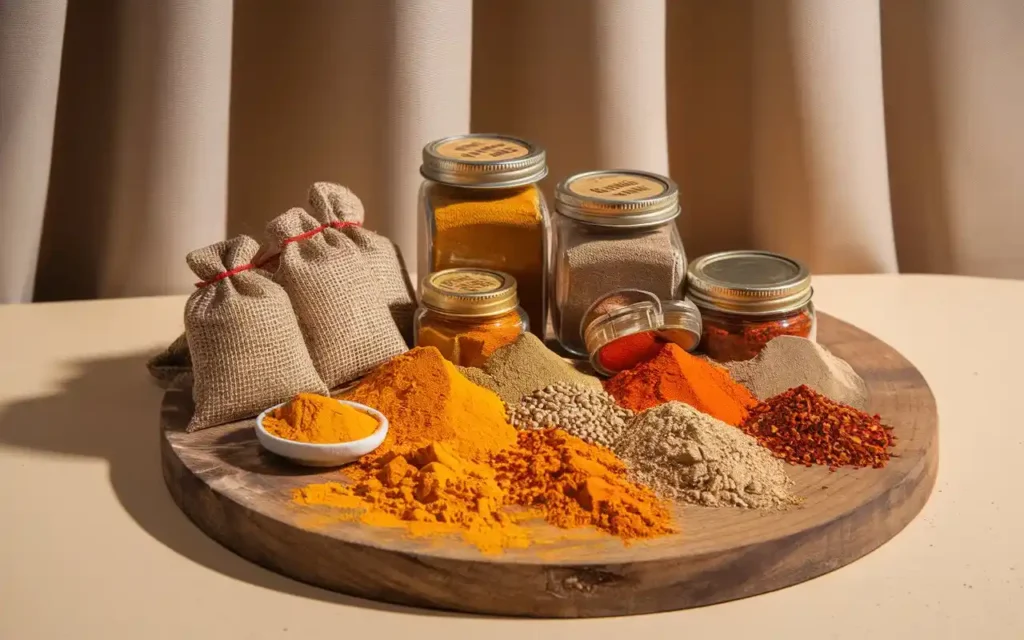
column 426, row 399
column 309, row 417
column 428, row 492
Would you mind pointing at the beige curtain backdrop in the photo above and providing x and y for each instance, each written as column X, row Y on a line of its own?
column 859, row 135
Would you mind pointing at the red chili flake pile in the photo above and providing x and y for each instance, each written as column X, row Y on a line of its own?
column 801, row 426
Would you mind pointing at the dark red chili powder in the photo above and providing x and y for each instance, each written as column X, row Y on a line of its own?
column 801, row 426
column 730, row 340
column 628, row 351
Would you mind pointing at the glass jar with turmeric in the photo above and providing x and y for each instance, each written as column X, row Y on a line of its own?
column 468, row 313
column 480, row 207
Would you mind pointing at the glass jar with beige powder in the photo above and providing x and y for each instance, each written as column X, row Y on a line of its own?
column 613, row 230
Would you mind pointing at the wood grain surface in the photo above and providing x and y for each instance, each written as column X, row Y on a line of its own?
column 239, row 495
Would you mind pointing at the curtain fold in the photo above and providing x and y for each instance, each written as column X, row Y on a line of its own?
column 31, row 39
column 859, row 136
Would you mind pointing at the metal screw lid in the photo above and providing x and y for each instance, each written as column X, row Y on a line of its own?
column 470, row 292
column 483, row 161
column 749, row 282
column 619, row 198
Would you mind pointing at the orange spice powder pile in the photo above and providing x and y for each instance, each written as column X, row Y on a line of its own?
column 427, row 492
column 451, row 464
column 574, row 484
column 675, row 374
column 426, row 399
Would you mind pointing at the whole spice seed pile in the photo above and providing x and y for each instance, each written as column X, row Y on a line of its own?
column 586, row 413
column 804, row 427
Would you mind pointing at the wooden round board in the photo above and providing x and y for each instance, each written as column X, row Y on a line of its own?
column 240, row 495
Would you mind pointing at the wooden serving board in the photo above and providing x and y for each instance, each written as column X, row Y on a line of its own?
column 239, row 495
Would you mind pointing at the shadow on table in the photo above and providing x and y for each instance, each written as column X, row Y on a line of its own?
column 110, row 409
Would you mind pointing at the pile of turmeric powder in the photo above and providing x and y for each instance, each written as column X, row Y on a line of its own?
column 451, row 464
column 426, row 399
column 575, row 484
column 313, row 418
column 430, row 491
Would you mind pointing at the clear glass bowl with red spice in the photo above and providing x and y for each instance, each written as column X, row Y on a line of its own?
column 747, row 298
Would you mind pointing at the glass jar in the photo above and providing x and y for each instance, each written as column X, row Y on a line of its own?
column 468, row 313
column 634, row 326
column 614, row 230
column 480, row 207
column 746, row 298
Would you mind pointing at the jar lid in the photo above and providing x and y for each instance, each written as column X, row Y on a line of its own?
column 619, row 198
column 470, row 292
column 640, row 329
column 749, row 282
column 483, row 161
column 681, row 323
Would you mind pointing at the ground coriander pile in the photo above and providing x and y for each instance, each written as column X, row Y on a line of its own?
column 588, row 414
column 518, row 369
column 687, row 455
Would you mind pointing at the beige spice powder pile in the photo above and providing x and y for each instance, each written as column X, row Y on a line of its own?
column 788, row 361
column 687, row 455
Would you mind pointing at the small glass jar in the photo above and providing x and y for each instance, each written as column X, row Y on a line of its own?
column 747, row 298
column 468, row 313
column 627, row 327
column 614, row 230
column 480, row 207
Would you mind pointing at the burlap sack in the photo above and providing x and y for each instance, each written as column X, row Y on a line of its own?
column 333, row 204
column 346, row 325
column 244, row 339
column 172, row 363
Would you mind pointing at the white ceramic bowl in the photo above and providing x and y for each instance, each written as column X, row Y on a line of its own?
column 323, row 455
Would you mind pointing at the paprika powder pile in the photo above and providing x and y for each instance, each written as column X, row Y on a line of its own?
column 677, row 375
column 801, row 426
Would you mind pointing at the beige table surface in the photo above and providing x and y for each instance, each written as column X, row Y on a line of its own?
column 91, row 545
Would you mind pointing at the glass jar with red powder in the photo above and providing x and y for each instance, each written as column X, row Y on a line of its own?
column 747, row 298
column 630, row 326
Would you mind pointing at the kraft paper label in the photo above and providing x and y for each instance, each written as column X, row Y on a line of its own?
column 482, row 149
column 617, row 186
column 468, row 282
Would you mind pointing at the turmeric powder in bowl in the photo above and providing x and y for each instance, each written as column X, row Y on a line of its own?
column 317, row 419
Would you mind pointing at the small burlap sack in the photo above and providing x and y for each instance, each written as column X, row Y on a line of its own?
column 346, row 325
column 333, row 204
column 246, row 346
column 173, row 362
